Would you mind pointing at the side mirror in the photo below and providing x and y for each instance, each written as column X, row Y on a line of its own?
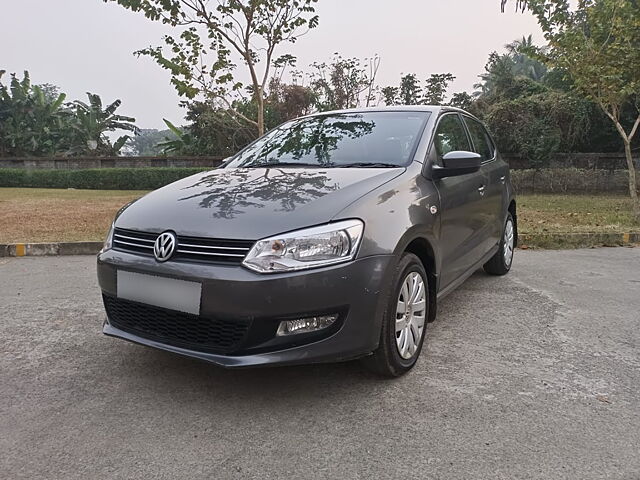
column 456, row 164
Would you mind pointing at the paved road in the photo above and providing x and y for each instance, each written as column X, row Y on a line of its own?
column 536, row 375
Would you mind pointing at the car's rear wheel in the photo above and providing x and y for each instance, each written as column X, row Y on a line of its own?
column 404, row 320
column 501, row 262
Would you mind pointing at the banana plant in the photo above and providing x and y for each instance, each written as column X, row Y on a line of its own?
column 180, row 144
column 92, row 121
column 31, row 122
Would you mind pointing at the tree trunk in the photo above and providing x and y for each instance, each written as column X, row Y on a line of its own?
column 260, row 102
column 633, row 183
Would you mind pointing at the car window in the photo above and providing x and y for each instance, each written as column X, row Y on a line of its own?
column 481, row 141
column 451, row 136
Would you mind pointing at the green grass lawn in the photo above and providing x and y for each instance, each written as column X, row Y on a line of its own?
column 48, row 215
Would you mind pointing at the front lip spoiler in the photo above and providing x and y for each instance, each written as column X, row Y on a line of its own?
column 220, row 360
column 293, row 356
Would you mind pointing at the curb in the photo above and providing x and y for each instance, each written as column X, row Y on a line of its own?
column 577, row 240
column 49, row 249
column 551, row 240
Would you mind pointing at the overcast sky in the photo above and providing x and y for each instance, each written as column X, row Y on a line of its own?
column 87, row 45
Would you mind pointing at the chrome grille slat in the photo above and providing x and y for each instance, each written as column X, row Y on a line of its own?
column 134, row 244
column 137, row 234
column 214, row 248
column 194, row 249
column 211, row 254
column 132, row 238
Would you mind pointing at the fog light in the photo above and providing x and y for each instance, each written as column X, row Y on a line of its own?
column 306, row 325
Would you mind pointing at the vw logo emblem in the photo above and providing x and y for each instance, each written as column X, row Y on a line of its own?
column 165, row 246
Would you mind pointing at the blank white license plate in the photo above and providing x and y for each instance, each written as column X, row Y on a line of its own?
column 160, row 291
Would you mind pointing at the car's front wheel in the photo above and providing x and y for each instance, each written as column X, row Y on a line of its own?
column 501, row 262
column 404, row 321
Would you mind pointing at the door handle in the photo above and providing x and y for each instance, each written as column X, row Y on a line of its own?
column 503, row 179
column 482, row 190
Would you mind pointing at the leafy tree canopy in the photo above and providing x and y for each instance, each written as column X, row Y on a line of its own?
column 200, row 56
column 411, row 92
column 598, row 45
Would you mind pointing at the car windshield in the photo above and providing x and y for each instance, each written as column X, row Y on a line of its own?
column 364, row 139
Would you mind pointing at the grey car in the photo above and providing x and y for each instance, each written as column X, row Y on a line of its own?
column 331, row 238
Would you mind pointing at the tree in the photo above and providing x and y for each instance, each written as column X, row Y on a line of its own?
column 146, row 142
column 210, row 131
column 499, row 76
column 286, row 102
column 201, row 58
column 598, row 45
column 436, row 87
column 410, row 90
column 344, row 83
column 523, row 64
column 92, row 121
column 408, row 93
column 390, row 95
column 537, row 126
column 461, row 100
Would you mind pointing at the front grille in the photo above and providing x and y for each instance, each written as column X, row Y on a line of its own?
column 210, row 250
column 134, row 241
column 175, row 328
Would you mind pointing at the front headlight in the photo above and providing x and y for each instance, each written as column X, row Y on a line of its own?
column 108, row 242
column 313, row 247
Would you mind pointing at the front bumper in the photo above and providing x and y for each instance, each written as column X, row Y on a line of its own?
column 233, row 293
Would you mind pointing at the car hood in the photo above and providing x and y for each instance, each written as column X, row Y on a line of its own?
column 240, row 203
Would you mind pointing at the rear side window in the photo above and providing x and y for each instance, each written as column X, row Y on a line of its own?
column 451, row 136
column 481, row 141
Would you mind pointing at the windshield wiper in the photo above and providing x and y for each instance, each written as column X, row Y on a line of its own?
column 330, row 165
column 370, row 165
column 282, row 164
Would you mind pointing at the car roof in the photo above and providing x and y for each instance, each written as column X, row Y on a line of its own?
column 434, row 109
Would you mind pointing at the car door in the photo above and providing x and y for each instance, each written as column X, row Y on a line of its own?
column 495, row 171
column 463, row 213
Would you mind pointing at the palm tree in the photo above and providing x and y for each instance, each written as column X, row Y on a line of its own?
column 92, row 122
column 498, row 76
column 503, row 69
column 524, row 65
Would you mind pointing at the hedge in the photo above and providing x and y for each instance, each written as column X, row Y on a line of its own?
column 561, row 180
column 570, row 180
column 96, row 179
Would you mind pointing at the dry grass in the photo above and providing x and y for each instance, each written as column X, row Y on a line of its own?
column 47, row 215
column 575, row 214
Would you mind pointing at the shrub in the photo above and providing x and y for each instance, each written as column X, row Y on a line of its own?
column 95, row 179
column 570, row 180
column 539, row 126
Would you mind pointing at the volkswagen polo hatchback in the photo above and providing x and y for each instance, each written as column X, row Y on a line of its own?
column 331, row 238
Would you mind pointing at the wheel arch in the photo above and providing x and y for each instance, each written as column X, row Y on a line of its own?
column 422, row 248
column 514, row 214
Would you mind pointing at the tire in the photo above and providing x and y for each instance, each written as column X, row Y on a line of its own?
column 501, row 262
column 391, row 359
